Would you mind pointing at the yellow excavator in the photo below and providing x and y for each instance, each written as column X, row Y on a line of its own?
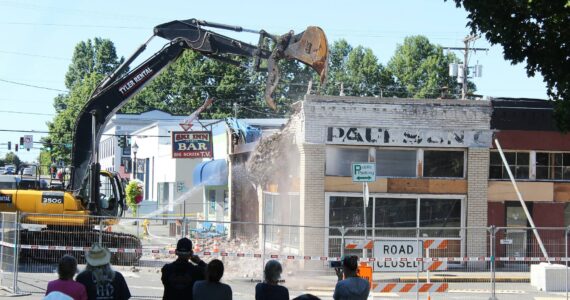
column 93, row 196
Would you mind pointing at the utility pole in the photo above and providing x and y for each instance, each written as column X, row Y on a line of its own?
column 464, row 70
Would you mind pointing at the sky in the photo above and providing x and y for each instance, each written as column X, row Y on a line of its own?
column 38, row 38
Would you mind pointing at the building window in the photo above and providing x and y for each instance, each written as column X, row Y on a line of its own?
column 443, row 163
column 349, row 212
column 567, row 215
column 282, row 210
column 395, row 212
column 395, row 217
column 212, row 202
column 396, row 163
column 440, row 213
column 553, row 166
column 339, row 160
column 518, row 162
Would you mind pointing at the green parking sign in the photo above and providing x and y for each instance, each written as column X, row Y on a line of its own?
column 363, row 172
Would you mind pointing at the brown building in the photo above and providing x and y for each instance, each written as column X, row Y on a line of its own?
column 539, row 156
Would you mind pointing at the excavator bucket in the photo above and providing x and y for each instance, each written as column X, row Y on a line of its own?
column 309, row 47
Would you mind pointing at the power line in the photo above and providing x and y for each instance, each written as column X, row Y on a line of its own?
column 25, row 113
column 75, row 25
column 34, row 55
column 32, row 86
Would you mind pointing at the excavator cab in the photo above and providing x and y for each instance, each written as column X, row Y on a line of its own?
column 111, row 195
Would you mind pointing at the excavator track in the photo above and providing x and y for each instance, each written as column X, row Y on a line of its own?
column 78, row 238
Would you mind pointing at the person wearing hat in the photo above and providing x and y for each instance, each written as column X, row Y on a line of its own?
column 179, row 276
column 100, row 281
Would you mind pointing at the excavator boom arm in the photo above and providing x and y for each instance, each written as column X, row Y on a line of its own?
column 113, row 93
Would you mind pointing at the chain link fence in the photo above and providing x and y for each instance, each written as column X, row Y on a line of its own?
column 409, row 263
column 9, row 251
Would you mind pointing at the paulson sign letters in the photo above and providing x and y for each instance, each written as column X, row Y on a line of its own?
column 192, row 144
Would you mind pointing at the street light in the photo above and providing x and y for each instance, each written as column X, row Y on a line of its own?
column 135, row 149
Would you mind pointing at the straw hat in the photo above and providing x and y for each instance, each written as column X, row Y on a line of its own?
column 98, row 256
column 55, row 295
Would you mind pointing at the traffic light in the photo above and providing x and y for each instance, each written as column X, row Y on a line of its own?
column 21, row 141
column 122, row 141
column 9, row 145
column 16, row 147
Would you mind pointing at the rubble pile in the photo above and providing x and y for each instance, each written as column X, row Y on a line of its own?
column 271, row 155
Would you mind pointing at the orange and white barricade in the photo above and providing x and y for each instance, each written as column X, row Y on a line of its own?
column 435, row 266
column 435, row 244
column 359, row 244
column 441, row 287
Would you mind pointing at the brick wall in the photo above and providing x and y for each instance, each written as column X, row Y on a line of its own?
column 317, row 113
column 477, row 184
column 321, row 112
column 312, row 197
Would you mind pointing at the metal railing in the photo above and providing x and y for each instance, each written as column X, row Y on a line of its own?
column 411, row 263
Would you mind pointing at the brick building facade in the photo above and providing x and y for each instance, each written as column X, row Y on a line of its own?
column 432, row 169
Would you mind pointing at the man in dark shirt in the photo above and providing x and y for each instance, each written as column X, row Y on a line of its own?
column 178, row 277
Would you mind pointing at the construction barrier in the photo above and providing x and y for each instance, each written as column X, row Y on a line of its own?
column 452, row 266
column 410, row 287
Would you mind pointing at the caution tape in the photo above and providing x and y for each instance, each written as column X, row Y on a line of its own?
column 439, row 262
column 410, row 287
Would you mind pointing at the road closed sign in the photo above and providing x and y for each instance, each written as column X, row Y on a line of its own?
column 396, row 250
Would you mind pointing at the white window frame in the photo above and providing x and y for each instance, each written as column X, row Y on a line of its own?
column 462, row 232
column 534, row 152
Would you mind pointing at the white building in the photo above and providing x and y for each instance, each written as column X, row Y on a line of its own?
column 196, row 187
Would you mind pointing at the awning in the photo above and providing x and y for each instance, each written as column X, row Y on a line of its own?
column 212, row 172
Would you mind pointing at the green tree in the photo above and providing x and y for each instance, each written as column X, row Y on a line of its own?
column 357, row 72
column 12, row 159
column 420, row 69
column 92, row 60
column 532, row 31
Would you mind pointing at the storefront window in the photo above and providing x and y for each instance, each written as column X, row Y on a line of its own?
column 212, row 201
column 553, row 166
column 396, row 212
column 349, row 212
column 443, row 163
column 567, row 215
column 396, row 163
column 339, row 160
column 392, row 216
column 282, row 210
column 440, row 213
column 518, row 162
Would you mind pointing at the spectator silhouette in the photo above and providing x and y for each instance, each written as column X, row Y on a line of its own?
column 352, row 287
column 307, row 297
column 66, row 269
column 179, row 276
column 100, row 281
column 212, row 288
column 269, row 289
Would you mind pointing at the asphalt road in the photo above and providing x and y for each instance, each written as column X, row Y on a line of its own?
column 145, row 283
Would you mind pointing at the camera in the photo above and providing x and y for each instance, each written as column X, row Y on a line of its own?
column 336, row 264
